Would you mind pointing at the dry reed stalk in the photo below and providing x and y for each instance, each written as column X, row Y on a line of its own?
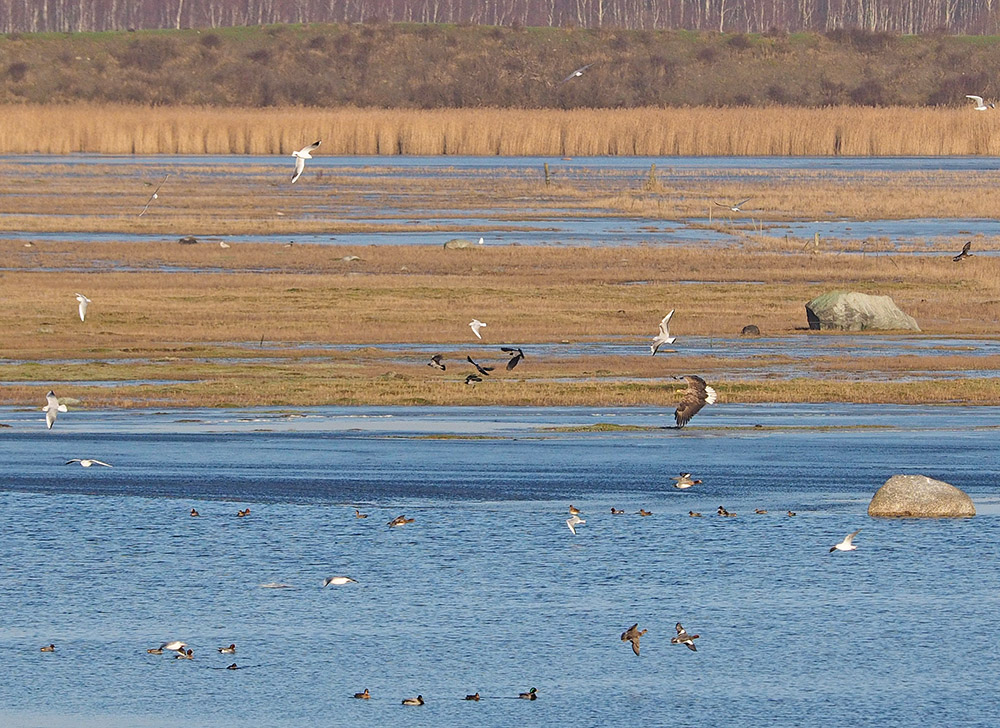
column 847, row 131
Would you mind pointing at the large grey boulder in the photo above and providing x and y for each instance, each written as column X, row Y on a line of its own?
column 849, row 311
column 459, row 244
column 917, row 496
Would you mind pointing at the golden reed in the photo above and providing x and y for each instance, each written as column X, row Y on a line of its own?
column 847, row 131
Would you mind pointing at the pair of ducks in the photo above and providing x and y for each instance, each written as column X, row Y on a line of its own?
column 243, row 514
column 632, row 634
column 620, row 511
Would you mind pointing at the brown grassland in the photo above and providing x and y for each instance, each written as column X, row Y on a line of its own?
column 648, row 131
column 232, row 335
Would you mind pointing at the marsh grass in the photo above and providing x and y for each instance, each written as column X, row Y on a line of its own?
column 204, row 328
column 663, row 132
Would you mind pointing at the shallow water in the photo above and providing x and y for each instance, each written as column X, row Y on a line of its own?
column 487, row 590
column 543, row 226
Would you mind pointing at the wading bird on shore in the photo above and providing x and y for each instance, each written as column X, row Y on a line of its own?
column 735, row 207
column 87, row 462
column 300, row 158
column 696, row 396
column 154, row 196
column 980, row 106
column 84, row 302
column 683, row 638
column 576, row 74
column 476, row 325
column 52, row 409
column 964, row 254
column 632, row 634
column 436, row 362
column 518, row 355
column 847, row 544
column 664, row 336
column 485, row 371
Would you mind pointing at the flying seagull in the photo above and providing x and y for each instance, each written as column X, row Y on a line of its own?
column 300, row 159
column 696, row 396
column 734, row 207
column 88, row 462
column 980, row 106
column 847, row 544
column 683, row 638
column 476, row 324
column 515, row 359
column 154, row 196
column 52, row 409
column 84, row 301
column 485, row 371
column 338, row 580
column 436, row 362
column 632, row 634
column 574, row 521
column 576, row 74
column 964, row 254
column 684, row 481
column 664, row 336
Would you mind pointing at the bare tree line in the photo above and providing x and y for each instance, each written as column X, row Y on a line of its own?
column 971, row 17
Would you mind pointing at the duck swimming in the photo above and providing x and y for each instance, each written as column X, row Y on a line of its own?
column 194, row 513
column 363, row 696
column 616, row 511
column 472, row 697
column 419, row 700
column 231, row 650
column 189, row 655
column 530, row 695
column 359, row 514
column 49, row 648
column 645, row 513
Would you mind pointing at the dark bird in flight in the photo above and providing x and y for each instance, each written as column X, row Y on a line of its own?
column 485, row 371
column 472, row 379
column 964, row 254
column 632, row 634
column 518, row 355
column 696, row 396
column 436, row 362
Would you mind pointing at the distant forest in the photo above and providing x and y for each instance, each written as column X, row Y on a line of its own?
column 968, row 17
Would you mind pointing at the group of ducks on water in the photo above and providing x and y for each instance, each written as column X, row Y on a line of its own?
column 574, row 519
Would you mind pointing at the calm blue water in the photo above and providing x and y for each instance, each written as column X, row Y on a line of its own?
column 487, row 590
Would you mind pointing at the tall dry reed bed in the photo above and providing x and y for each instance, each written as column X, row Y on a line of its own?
column 849, row 131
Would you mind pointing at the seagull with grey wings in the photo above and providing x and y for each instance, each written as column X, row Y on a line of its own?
column 664, row 336
column 576, row 74
column 300, row 159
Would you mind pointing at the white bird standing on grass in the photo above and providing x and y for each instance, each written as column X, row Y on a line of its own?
column 84, row 302
column 52, row 409
column 476, row 325
column 300, row 159
column 980, row 106
column 847, row 544
column 664, row 336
